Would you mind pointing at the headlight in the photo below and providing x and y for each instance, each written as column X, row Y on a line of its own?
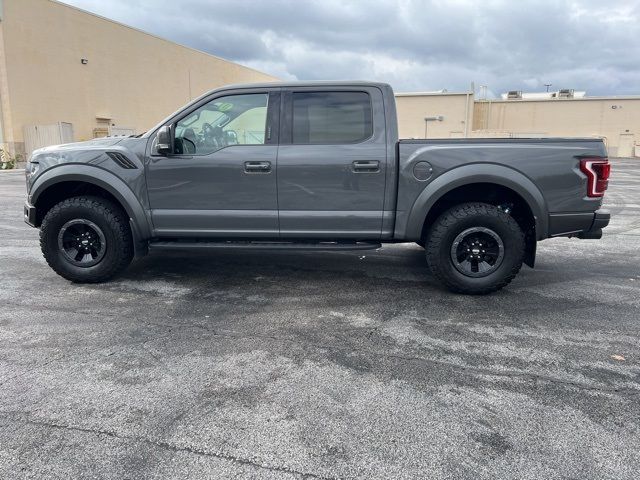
column 31, row 169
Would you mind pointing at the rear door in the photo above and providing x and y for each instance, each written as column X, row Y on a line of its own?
column 332, row 163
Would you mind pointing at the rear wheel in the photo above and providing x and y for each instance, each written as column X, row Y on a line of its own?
column 86, row 239
column 475, row 248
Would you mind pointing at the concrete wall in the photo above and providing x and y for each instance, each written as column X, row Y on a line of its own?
column 132, row 78
column 455, row 108
column 615, row 119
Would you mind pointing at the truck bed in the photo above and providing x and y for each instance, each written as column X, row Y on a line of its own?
column 543, row 171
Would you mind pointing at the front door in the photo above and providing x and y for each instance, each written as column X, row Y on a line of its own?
column 332, row 163
column 220, row 180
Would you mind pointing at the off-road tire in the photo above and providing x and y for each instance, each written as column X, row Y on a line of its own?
column 456, row 220
column 112, row 222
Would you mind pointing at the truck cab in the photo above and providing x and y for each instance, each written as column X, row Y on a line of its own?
column 276, row 162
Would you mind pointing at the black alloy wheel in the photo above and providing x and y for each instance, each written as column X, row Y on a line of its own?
column 82, row 242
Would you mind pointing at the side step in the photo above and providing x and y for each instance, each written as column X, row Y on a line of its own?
column 261, row 245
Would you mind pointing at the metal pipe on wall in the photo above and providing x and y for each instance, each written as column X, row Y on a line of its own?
column 466, row 110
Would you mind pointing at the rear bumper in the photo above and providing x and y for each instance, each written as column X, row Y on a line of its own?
column 30, row 214
column 581, row 225
column 601, row 219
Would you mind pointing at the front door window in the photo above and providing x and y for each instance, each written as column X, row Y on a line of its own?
column 225, row 121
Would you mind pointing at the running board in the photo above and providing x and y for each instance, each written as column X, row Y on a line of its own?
column 319, row 246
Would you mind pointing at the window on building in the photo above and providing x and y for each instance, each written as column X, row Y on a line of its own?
column 331, row 117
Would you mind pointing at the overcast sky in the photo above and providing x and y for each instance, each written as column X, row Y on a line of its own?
column 591, row 45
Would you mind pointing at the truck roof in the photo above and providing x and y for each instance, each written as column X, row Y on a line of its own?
column 314, row 83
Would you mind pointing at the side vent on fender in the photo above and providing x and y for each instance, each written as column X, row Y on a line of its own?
column 121, row 160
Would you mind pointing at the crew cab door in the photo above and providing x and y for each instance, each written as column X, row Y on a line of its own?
column 332, row 163
column 220, row 179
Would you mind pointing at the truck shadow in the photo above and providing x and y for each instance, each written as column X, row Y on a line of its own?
column 398, row 270
column 398, row 263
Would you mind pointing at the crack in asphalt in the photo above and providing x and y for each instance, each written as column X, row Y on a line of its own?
column 167, row 446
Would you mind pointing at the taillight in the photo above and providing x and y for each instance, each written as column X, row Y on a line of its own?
column 597, row 170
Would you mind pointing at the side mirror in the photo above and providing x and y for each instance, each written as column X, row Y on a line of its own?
column 163, row 140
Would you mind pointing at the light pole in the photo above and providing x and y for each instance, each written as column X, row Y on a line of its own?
column 548, row 85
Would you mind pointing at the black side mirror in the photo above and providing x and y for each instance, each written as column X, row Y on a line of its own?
column 163, row 140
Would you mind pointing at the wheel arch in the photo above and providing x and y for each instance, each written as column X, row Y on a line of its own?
column 67, row 181
column 498, row 177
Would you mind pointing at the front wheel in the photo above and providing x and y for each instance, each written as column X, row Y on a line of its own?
column 86, row 239
column 475, row 248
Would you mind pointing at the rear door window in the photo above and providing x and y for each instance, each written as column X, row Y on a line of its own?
column 331, row 117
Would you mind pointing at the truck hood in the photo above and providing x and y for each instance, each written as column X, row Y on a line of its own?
column 91, row 153
column 97, row 143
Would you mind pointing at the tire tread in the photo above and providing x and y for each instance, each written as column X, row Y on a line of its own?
column 441, row 227
column 115, row 220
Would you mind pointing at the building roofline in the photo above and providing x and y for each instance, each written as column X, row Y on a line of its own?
column 552, row 100
column 430, row 94
column 135, row 29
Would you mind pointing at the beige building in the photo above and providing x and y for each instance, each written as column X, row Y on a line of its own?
column 434, row 114
column 450, row 115
column 68, row 73
column 616, row 119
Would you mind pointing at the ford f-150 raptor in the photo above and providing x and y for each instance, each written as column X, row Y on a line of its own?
column 313, row 165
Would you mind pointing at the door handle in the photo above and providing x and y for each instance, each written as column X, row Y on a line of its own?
column 366, row 166
column 257, row 167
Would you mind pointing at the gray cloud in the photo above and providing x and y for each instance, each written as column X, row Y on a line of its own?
column 414, row 45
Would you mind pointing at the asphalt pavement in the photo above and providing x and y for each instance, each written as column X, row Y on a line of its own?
column 322, row 365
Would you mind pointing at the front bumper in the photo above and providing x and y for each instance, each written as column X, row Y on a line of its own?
column 30, row 214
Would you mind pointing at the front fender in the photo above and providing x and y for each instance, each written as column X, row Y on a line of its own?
column 101, row 178
column 476, row 173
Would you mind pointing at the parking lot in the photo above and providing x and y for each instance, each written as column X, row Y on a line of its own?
column 322, row 365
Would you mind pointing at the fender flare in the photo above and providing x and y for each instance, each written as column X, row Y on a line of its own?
column 100, row 178
column 478, row 173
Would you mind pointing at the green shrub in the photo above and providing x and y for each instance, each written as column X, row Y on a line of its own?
column 8, row 161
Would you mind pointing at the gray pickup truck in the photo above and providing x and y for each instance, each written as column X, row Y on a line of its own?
column 314, row 166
